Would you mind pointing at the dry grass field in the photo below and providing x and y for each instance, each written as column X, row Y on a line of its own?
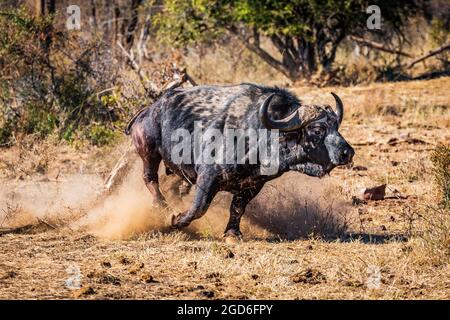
column 304, row 238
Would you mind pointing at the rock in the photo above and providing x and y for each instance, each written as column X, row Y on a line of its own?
column 106, row 264
column 359, row 168
column 375, row 193
column 207, row 293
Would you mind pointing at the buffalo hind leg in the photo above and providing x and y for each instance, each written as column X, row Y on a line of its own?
column 237, row 209
column 151, row 180
column 204, row 194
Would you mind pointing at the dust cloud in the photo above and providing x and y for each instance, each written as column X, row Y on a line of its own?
column 291, row 207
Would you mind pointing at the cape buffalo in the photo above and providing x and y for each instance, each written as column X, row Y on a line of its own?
column 307, row 140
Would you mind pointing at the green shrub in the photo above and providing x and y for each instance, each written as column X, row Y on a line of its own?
column 100, row 135
column 441, row 169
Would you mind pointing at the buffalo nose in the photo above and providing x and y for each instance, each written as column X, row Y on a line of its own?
column 347, row 155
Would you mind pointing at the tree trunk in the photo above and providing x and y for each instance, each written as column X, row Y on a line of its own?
column 129, row 36
column 301, row 57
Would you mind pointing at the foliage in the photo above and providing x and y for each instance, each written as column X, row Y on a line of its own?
column 49, row 80
column 440, row 35
column 306, row 33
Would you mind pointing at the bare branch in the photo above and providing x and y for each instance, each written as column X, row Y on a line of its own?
column 429, row 55
column 148, row 85
column 378, row 46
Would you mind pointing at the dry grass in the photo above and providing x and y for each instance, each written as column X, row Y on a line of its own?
column 296, row 245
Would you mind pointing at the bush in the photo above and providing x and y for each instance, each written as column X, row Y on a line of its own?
column 441, row 169
column 51, row 87
column 99, row 135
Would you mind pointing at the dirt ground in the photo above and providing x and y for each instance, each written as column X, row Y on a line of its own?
column 304, row 238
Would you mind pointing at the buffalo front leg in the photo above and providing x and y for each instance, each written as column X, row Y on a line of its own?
column 237, row 209
column 204, row 194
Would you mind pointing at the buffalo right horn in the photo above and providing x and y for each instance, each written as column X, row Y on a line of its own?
column 290, row 123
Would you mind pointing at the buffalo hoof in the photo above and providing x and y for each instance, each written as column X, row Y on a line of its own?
column 177, row 222
column 232, row 236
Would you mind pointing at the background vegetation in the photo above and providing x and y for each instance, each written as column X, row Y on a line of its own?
column 82, row 85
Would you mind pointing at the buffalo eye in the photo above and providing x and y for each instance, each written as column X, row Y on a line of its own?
column 317, row 131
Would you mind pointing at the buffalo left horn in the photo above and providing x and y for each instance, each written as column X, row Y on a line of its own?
column 339, row 107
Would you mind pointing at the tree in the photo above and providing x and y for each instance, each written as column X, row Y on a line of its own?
column 305, row 33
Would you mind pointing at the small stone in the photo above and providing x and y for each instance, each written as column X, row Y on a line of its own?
column 207, row 293
column 106, row 264
column 375, row 193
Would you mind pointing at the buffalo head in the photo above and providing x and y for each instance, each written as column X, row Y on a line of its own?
column 311, row 132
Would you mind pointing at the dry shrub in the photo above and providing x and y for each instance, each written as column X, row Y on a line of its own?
column 31, row 156
column 433, row 230
column 441, row 170
column 433, row 235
